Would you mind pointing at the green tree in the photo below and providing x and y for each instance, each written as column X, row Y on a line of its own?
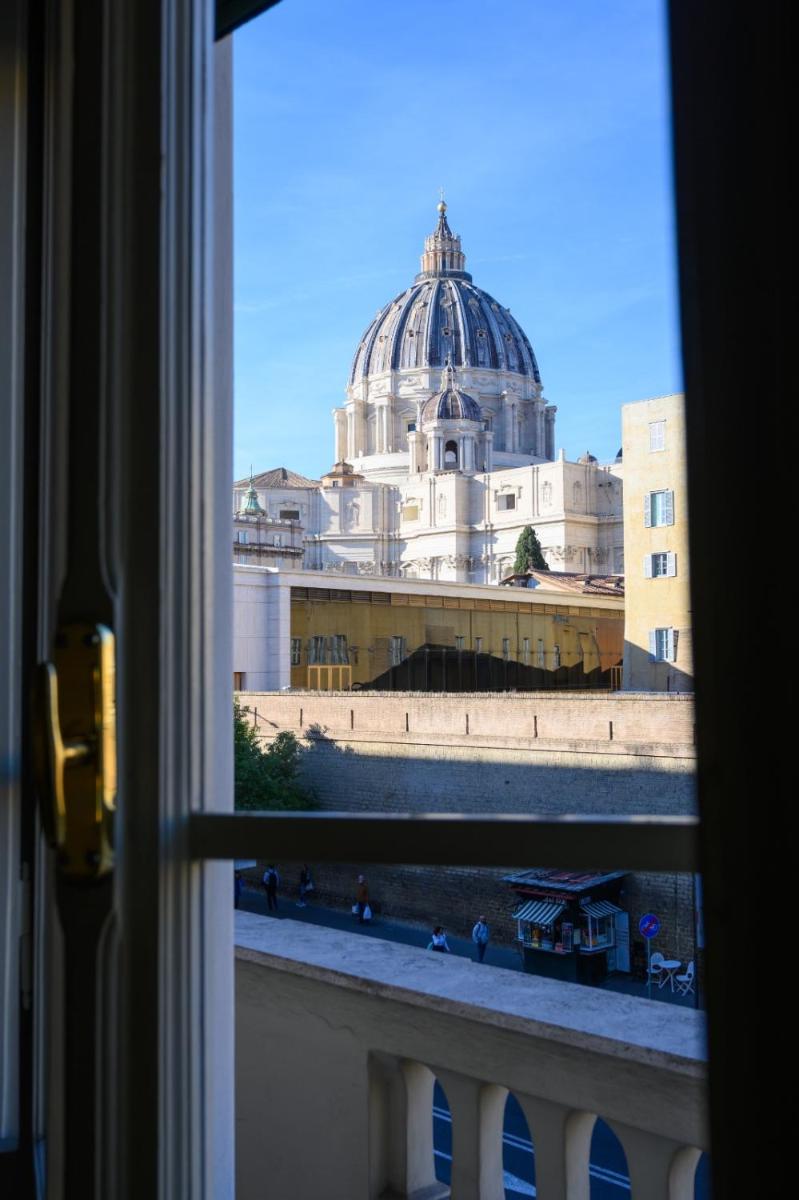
column 528, row 552
column 266, row 779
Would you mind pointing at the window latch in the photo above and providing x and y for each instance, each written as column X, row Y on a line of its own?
column 75, row 751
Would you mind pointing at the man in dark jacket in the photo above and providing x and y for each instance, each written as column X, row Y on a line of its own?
column 480, row 937
column 271, row 882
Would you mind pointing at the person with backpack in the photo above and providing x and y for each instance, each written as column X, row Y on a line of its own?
column 480, row 937
column 271, row 882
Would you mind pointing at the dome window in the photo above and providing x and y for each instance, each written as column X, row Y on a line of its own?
column 410, row 333
column 481, row 333
column 508, row 337
column 451, row 454
column 447, row 332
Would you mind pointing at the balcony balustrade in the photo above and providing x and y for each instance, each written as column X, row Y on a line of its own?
column 340, row 1039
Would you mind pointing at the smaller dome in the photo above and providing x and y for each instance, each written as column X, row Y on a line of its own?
column 451, row 404
column 588, row 457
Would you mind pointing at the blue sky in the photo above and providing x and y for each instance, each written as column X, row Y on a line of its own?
column 547, row 123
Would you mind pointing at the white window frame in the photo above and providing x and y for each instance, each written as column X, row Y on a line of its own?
column 665, row 558
column 657, row 436
column 663, row 644
column 665, row 510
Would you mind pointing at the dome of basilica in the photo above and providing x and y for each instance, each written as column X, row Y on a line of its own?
column 444, row 315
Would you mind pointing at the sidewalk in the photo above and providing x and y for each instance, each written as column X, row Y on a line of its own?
column 497, row 955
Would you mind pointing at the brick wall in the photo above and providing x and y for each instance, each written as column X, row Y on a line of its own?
column 615, row 753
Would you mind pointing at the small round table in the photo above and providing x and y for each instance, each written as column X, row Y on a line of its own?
column 668, row 969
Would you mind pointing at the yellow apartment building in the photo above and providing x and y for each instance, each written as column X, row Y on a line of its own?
column 657, row 631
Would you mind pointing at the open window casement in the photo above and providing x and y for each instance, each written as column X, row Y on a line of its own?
column 117, row 1069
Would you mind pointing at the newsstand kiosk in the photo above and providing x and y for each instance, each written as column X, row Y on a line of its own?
column 567, row 923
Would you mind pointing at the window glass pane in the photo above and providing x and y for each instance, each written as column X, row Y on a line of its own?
column 459, row 693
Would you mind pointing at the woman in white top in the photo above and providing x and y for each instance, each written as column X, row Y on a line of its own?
column 439, row 941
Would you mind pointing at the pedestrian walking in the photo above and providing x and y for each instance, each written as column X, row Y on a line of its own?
column 439, row 941
column 361, row 904
column 271, row 882
column 238, row 887
column 480, row 937
column 306, row 885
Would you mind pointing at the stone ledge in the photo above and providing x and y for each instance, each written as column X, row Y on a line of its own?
column 606, row 1023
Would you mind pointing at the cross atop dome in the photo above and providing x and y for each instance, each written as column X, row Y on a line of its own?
column 442, row 249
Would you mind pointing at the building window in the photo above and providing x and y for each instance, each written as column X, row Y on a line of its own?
column 526, row 651
column 397, row 650
column 296, row 652
column 506, row 648
column 278, row 539
column 506, row 502
column 239, row 681
column 478, row 645
column 339, row 654
column 451, row 454
column 316, row 650
column 658, row 508
column 658, row 566
column 663, row 645
column 241, row 537
column 460, row 641
column 540, row 654
column 410, row 512
column 289, row 514
column 410, row 427
column 555, row 657
column 657, row 435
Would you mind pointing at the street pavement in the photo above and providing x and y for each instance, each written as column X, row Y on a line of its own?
column 253, row 899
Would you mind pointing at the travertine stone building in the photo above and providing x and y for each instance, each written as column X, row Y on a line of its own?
column 445, row 447
column 657, row 650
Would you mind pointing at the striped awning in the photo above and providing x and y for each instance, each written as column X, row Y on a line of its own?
column 539, row 912
column 599, row 908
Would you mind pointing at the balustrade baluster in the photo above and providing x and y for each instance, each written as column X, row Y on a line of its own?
column 650, row 1159
column 562, row 1146
column 477, row 1116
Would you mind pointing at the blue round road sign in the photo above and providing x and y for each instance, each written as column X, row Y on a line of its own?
column 648, row 925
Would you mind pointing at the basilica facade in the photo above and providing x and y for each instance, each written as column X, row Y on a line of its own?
column 445, row 448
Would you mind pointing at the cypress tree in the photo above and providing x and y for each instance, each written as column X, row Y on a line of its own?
column 528, row 552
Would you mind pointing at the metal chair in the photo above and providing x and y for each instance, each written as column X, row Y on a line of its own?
column 656, row 968
column 685, row 983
